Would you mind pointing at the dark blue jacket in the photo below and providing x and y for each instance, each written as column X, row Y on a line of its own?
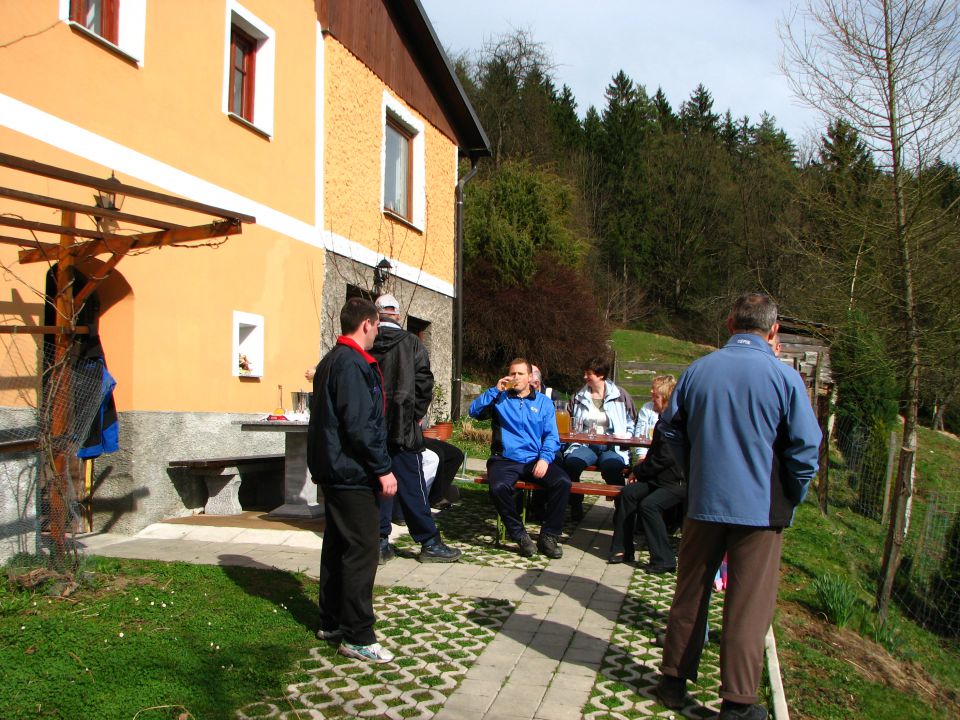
column 347, row 436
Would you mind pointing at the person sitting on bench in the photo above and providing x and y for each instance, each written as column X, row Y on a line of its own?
column 654, row 486
column 525, row 443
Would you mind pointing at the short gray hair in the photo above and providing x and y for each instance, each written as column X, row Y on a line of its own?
column 754, row 312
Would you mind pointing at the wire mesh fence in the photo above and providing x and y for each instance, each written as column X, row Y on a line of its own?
column 50, row 400
column 927, row 585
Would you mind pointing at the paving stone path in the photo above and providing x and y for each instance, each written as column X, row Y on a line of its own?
column 494, row 637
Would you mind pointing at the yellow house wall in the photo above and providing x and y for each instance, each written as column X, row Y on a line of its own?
column 168, row 338
column 171, row 107
column 169, row 343
column 353, row 173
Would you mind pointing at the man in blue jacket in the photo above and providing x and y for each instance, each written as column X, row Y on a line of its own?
column 347, row 456
column 742, row 427
column 525, row 443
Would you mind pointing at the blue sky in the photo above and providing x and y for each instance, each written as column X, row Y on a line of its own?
column 731, row 46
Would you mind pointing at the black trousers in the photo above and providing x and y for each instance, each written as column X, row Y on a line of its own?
column 348, row 563
column 503, row 474
column 412, row 496
column 649, row 503
column 451, row 458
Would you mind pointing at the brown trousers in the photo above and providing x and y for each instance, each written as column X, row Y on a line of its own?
column 753, row 571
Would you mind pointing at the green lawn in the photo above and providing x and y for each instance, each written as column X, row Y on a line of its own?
column 153, row 639
column 832, row 673
column 639, row 346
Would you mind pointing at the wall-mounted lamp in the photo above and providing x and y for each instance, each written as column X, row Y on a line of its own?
column 108, row 200
column 380, row 275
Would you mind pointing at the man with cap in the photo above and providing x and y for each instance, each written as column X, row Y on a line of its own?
column 408, row 384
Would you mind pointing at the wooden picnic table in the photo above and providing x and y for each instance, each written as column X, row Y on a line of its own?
column 585, row 439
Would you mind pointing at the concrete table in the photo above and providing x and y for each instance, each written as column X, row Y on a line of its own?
column 301, row 498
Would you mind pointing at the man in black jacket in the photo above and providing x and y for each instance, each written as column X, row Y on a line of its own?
column 408, row 383
column 656, row 485
column 347, row 456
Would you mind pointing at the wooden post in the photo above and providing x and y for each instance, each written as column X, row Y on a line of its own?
column 888, row 481
column 59, row 387
column 823, row 476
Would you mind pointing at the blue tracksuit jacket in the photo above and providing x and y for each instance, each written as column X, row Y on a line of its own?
column 524, row 429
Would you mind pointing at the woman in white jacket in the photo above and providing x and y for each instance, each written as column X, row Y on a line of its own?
column 608, row 409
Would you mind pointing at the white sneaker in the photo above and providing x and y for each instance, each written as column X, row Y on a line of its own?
column 375, row 653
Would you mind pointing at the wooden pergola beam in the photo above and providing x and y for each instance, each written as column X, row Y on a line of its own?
column 91, row 210
column 113, row 186
column 37, row 226
column 43, row 330
column 28, row 242
column 122, row 244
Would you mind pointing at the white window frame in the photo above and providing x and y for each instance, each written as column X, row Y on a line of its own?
column 404, row 117
column 248, row 339
column 264, row 74
column 131, row 30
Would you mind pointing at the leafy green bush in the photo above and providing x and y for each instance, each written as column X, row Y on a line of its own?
column 838, row 598
column 866, row 408
column 945, row 588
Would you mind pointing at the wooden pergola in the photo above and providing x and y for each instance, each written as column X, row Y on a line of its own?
column 74, row 245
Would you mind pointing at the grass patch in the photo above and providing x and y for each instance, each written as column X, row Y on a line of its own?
column 884, row 672
column 639, row 346
column 155, row 638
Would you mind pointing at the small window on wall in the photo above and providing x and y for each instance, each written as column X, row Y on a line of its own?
column 398, row 170
column 243, row 59
column 101, row 17
column 249, row 65
column 403, row 156
column 247, row 344
column 121, row 25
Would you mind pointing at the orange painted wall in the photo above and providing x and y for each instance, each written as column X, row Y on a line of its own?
column 169, row 344
column 171, row 107
column 168, row 338
column 352, row 175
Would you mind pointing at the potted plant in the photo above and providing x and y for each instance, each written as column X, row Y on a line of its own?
column 440, row 416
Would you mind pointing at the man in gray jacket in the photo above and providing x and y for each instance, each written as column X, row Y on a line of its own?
column 741, row 426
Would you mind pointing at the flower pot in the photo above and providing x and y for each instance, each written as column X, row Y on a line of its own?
column 443, row 429
column 431, row 432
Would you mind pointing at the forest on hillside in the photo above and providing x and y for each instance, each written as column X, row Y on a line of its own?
column 642, row 215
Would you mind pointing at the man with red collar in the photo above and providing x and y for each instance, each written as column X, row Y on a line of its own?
column 525, row 442
column 347, row 456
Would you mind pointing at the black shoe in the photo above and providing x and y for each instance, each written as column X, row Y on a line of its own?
column 617, row 558
column 527, row 548
column 387, row 553
column 658, row 569
column 434, row 551
column 548, row 545
column 671, row 692
column 737, row 711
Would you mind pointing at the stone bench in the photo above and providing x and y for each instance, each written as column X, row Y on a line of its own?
column 223, row 477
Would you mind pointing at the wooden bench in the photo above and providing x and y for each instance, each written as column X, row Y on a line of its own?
column 577, row 488
column 223, row 476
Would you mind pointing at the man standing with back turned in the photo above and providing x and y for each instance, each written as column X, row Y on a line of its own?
column 347, row 456
column 408, row 383
column 742, row 427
